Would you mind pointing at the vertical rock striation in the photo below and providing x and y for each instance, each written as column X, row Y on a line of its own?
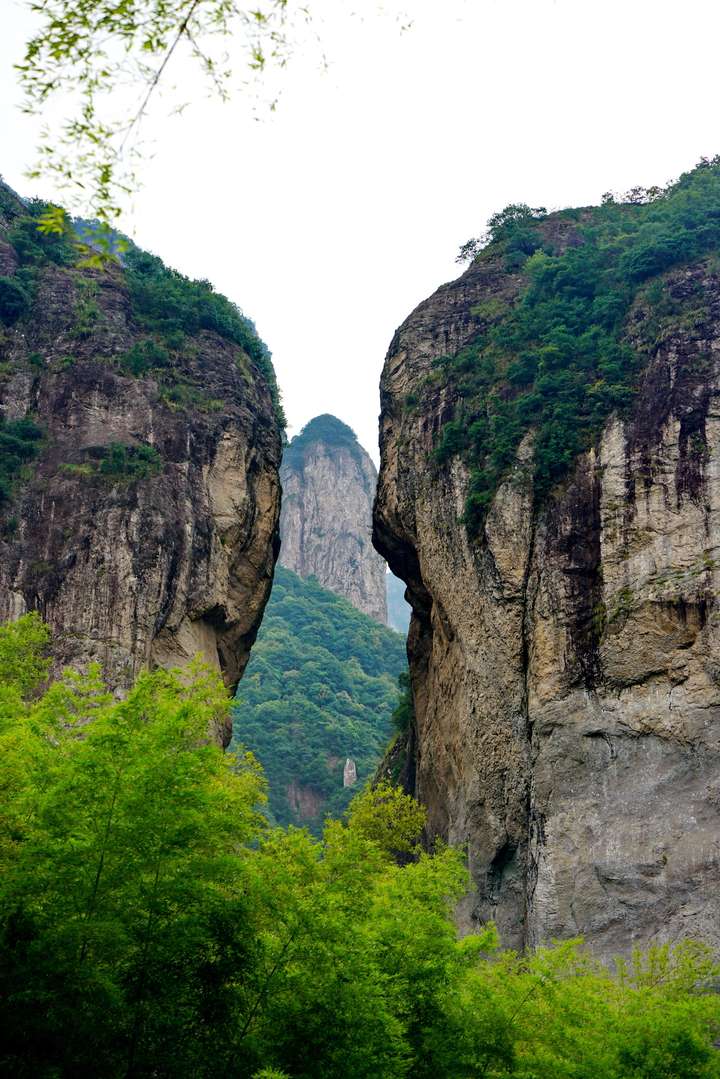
column 328, row 485
column 144, row 527
column 566, row 663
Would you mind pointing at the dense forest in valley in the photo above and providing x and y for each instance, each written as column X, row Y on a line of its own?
column 153, row 924
column 321, row 686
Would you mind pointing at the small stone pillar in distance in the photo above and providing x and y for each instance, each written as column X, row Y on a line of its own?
column 349, row 774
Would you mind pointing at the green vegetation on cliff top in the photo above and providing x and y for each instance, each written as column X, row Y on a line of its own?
column 556, row 360
column 326, row 429
column 153, row 925
column 321, row 686
column 166, row 306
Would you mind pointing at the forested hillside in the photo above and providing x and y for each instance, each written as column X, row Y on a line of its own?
column 321, row 686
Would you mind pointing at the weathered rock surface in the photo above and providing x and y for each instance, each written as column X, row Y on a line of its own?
column 328, row 483
column 566, row 665
column 135, row 572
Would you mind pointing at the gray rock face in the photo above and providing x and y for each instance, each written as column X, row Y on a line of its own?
column 566, row 665
column 328, row 483
column 135, row 572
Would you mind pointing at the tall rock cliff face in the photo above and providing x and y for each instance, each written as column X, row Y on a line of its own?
column 565, row 659
column 328, row 483
column 141, row 447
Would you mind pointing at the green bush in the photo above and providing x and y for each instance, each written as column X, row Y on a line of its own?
column 35, row 248
column 20, row 442
column 14, row 300
column 152, row 925
column 144, row 356
column 118, row 462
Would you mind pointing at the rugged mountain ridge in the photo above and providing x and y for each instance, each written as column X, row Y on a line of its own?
column 564, row 654
column 139, row 418
column 328, row 483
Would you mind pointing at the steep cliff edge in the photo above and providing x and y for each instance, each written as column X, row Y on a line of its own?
column 328, row 483
column 564, row 572
column 140, row 439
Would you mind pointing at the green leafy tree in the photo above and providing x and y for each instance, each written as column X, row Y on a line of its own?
column 152, row 925
column 14, row 300
column 123, row 896
column 389, row 818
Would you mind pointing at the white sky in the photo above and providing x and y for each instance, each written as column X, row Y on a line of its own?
column 330, row 219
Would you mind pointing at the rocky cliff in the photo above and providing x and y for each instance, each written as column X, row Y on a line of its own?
column 565, row 639
column 328, row 483
column 139, row 492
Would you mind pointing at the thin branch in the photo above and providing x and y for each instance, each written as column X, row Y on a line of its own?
column 182, row 31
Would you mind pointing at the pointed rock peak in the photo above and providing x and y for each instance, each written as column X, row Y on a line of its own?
column 329, row 484
column 325, row 429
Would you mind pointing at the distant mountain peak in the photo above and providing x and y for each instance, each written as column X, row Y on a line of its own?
column 328, row 490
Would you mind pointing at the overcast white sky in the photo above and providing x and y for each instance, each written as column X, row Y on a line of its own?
column 330, row 219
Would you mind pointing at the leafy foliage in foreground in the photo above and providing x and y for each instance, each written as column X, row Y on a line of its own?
column 557, row 361
column 320, row 686
column 152, row 925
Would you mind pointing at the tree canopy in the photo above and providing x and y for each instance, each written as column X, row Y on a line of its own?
column 153, row 925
